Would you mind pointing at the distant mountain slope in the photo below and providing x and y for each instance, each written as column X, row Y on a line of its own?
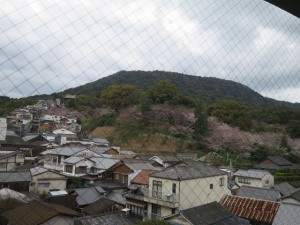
column 208, row 89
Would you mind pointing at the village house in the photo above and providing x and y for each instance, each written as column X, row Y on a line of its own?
column 54, row 159
column 184, row 185
column 284, row 188
column 9, row 160
column 102, row 206
column 46, row 180
column 123, row 173
column 254, row 178
column 16, row 180
column 77, row 166
column 268, row 194
column 276, row 163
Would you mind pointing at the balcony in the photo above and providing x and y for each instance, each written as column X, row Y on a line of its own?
column 53, row 165
column 151, row 216
column 161, row 198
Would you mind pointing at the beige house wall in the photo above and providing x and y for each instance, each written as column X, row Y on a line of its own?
column 55, row 182
column 266, row 182
column 12, row 161
column 191, row 193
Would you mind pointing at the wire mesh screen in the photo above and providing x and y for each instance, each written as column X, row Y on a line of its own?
column 149, row 112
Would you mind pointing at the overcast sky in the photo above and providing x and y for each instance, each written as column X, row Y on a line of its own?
column 48, row 46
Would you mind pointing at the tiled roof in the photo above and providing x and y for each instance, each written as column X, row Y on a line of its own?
column 38, row 170
column 75, row 159
column 287, row 214
column 251, row 173
column 279, row 160
column 295, row 194
column 104, row 163
column 206, row 214
column 142, row 177
column 5, row 154
column 191, row 170
column 108, row 219
column 67, row 151
column 251, row 209
column 15, row 176
column 36, row 212
column 284, row 188
column 259, row 193
column 89, row 195
column 98, row 206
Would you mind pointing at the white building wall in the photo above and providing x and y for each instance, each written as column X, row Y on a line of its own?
column 3, row 128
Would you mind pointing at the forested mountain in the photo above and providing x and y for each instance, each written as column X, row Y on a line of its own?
column 208, row 89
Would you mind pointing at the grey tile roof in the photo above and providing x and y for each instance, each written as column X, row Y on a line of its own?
column 98, row 206
column 251, row 173
column 29, row 137
column 139, row 166
column 8, row 154
column 15, row 176
column 74, row 159
column 108, row 219
column 191, row 170
column 295, row 194
column 104, row 163
column 287, row 214
column 279, row 160
column 100, row 150
column 38, row 170
column 67, row 151
column 144, row 157
column 284, row 188
column 206, row 214
column 259, row 193
column 114, row 196
column 89, row 195
column 168, row 158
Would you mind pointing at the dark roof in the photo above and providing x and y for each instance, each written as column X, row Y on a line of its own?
column 287, row 214
column 251, row 209
column 284, row 188
column 206, row 214
column 191, row 170
column 36, row 212
column 108, row 219
column 279, row 160
column 68, row 201
column 295, row 194
column 259, row 193
column 144, row 157
column 15, row 176
column 167, row 158
column 89, row 195
column 98, row 206
column 117, row 197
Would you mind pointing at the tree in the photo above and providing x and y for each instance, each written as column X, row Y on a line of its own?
column 201, row 124
column 145, row 103
column 120, row 96
column 293, row 128
column 231, row 112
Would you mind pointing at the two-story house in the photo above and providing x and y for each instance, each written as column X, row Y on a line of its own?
column 255, row 178
column 9, row 160
column 183, row 185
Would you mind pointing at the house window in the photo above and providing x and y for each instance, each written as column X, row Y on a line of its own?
column 117, row 176
column 222, row 181
column 21, row 156
column 32, row 184
column 82, row 169
column 173, row 210
column 46, row 185
column 3, row 165
column 156, row 211
column 68, row 169
column 244, row 180
column 211, row 186
column 156, row 189
column 174, row 188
